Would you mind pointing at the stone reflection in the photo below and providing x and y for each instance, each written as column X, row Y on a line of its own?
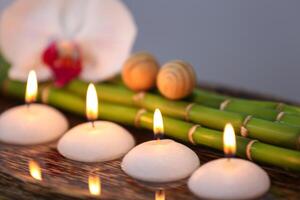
column 160, row 195
column 35, row 170
column 94, row 185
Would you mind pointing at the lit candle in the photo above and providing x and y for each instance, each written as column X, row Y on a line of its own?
column 160, row 160
column 31, row 123
column 95, row 141
column 229, row 178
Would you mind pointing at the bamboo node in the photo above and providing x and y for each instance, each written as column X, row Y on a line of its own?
column 224, row 104
column 187, row 111
column 280, row 106
column 191, row 132
column 248, row 149
column 280, row 116
column 138, row 97
column 138, row 115
column 244, row 130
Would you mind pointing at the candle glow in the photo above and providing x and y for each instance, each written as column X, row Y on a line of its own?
column 31, row 87
column 91, row 103
column 94, row 185
column 35, row 170
column 229, row 140
column 158, row 125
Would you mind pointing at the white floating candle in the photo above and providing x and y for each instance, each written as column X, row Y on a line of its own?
column 229, row 178
column 32, row 123
column 160, row 160
column 95, row 141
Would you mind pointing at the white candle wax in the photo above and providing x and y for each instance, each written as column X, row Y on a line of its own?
column 33, row 124
column 229, row 179
column 160, row 161
column 105, row 141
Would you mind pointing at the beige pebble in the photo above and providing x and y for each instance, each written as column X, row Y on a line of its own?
column 140, row 71
column 176, row 79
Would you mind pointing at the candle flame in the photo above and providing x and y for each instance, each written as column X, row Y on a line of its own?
column 31, row 87
column 229, row 140
column 94, row 185
column 158, row 125
column 35, row 170
column 91, row 103
column 160, row 195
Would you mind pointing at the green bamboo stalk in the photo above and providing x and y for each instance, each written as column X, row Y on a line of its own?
column 269, row 132
column 260, row 152
column 253, row 107
column 258, row 109
column 278, row 135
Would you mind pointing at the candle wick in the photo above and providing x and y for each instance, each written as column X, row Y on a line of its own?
column 158, row 136
column 28, row 105
column 93, row 123
column 229, row 156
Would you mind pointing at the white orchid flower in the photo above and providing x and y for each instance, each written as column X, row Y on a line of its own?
column 101, row 31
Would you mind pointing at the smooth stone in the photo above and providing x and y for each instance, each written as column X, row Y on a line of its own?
column 160, row 161
column 36, row 124
column 229, row 179
column 103, row 142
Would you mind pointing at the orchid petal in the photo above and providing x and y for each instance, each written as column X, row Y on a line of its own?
column 106, row 38
column 25, row 29
column 104, row 30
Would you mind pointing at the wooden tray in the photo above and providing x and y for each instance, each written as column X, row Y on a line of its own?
column 65, row 179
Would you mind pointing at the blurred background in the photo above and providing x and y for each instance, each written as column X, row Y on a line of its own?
column 252, row 44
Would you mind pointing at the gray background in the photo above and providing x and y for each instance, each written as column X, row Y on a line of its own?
column 248, row 44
